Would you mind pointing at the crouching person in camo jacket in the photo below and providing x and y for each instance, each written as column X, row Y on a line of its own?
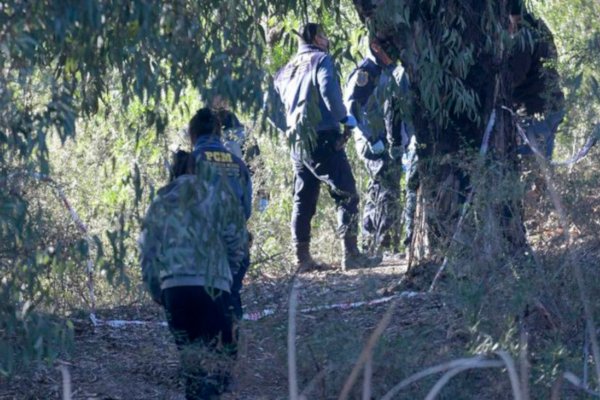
column 193, row 237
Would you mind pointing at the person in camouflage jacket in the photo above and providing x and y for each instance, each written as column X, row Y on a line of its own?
column 194, row 237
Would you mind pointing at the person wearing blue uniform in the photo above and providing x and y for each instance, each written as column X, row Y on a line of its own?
column 311, row 97
column 233, row 133
column 371, row 96
column 210, row 148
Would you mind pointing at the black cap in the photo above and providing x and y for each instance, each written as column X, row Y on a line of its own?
column 516, row 7
column 309, row 31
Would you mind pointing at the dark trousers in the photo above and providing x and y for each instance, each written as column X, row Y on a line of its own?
column 382, row 210
column 331, row 167
column 236, row 287
column 201, row 321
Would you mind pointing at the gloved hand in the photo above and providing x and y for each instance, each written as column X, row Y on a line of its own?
column 350, row 121
column 376, row 148
column 396, row 152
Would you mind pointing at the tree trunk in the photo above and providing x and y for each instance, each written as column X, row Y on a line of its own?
column 455, row 55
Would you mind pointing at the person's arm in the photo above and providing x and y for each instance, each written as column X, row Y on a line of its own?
column 247, row 192
column 358, row 90
column 234, row 233
column 330, row 89
column 273, row 109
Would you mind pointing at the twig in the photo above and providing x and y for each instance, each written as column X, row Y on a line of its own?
column 512, row 374
column 368, row 373
column 313, row 382
column 66, row 382
column 437, row 388
column 291, row 342
column 583, row 152
column 524, row 362
column 586, row 355
column 367, row 351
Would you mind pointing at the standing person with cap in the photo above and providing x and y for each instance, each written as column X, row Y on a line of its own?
column 310, row 91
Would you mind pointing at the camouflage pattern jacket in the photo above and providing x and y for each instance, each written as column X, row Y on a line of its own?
column 194, row 234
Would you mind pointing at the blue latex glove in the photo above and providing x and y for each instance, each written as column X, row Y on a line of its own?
column 377, row 148
column 350, row 121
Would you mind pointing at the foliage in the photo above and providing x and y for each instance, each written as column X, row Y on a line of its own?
column 576, row 31
column 96, row 93
column 120, row 75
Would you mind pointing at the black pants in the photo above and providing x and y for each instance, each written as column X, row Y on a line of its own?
column 330, row 166
column 382, row 210
column 201, row 321
column 236, row 286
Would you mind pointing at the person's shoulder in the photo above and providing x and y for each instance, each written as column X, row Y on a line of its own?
column 366, row 72
column 368, row 64
column 319, row 57
column 228, row 119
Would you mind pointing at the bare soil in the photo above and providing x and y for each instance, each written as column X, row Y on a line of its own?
column 141, row 361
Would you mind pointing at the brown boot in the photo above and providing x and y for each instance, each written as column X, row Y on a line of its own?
column 353, row 258
column 304, row 261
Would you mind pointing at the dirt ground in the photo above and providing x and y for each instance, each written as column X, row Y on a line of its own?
column 141, row 361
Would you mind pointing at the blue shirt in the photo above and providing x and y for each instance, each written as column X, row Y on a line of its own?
column 310, row 77
column 371, row 98
column 210, row 149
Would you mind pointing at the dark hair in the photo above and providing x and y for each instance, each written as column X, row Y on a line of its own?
column 309, row 31
column 204, row 122
column 516, row 7
column 182, row 163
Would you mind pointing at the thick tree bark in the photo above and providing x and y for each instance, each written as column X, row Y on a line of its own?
column 455, row 54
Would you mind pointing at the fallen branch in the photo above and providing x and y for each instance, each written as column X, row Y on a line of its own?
column 291, row 342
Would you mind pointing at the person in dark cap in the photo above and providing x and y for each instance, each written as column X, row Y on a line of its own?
column 311, row 96
column 380, row 137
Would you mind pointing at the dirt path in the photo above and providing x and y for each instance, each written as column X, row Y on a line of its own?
column 140, row 362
